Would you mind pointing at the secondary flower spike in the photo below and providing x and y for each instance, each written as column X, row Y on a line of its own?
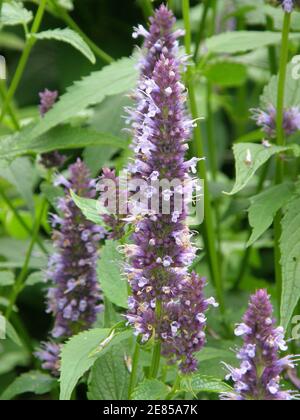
column 52, row 159
column 47, row 98
column 267, row 120
column 167, row 301
column 259, row 375
column 288, row 5
column 74, row 300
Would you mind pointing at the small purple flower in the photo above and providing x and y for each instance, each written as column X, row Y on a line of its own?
column 287, row 5
column 49, row 354
column 51, row 159
column 259, row 374
column 167, row 301
column 267, row 120
column 48, row 99
column 74, row 300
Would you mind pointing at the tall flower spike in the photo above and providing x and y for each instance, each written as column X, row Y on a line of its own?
column 166, row 300
column 267, row 120
column 52, row 159
column 75, row 298
column 258, row 377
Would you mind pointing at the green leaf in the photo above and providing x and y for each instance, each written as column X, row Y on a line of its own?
column 35, row 278
column 242, row 41
column 14, row 13
column 109, row 378
column 60, row 138
column 11, row 41
column 264, row 207
column 249, row 158
column 90, row 208
column 69, row 36
column 106, row 119
column 290, row 260
column 12, row 334
column 113, row 285
column 292, row 90
column 226, row 74
column 22, row 175
column 116, row 78
column 7, row 278
column 52, row 194
column 34, row 382
column 198, row 383
column 81, row 351
column 76, row 360
column 150, row 389
column 66, row 4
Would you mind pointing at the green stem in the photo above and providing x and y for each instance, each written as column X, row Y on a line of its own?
column 18, row 286
column 63, row 14
column 134, row 371
column 10, row 110
column 24, row 58
column 21, row 220
column 209, row 229
column 154, row 369
column 201, row 29
column 281, row 142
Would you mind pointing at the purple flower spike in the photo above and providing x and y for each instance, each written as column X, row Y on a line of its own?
column 48, row 99
column 167, row 301
column 74, row 300
column 258, row 377
column 288, row 5
column 267, row 120
column 49, row 354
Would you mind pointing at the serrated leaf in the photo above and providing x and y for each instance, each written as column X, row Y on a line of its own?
column 198, row 383
column 265, row 206
column 7, row 278
column 113, row 285
column 290, row 260
column 34, row 382
column 70, row 37
column 60, row 138
column 14, row 13
column 109, row 378
column 76, row 360
column 242, row 41
column 81, row 351
column 150, row 389
column 90, row 208
column 249, row 158
column 116, row 78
